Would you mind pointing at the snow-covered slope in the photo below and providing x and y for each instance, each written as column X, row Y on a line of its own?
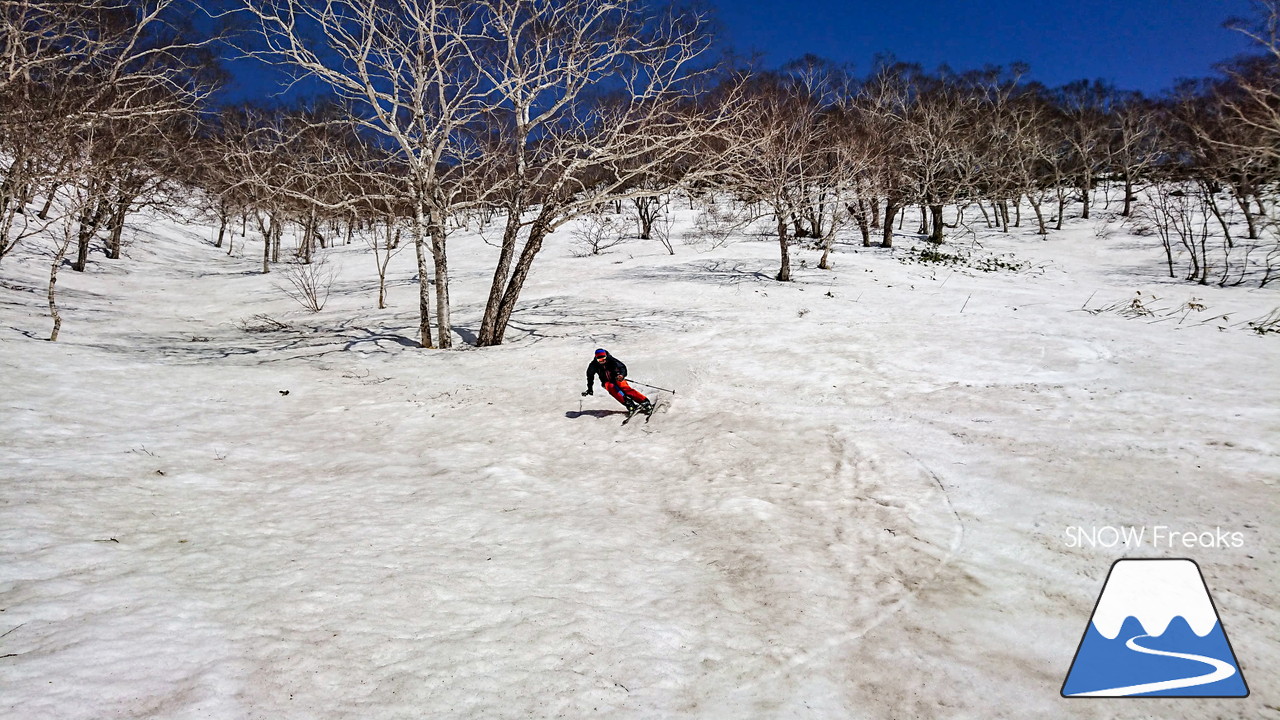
column 855, row 504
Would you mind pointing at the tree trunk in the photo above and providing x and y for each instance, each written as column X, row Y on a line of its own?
column 1085, row 190
column 384, row 258
column 7, row 219
column 266, row 230
column 424, row 286
column 489, row 333
column 537, row 234
column 48, row 203
column 1035, row 205
column 860, row 216
column 935, row 236
column 88, row 228
column 1204, row 252
column 53, row 282
column 308, row 237
column 444, row 325
column 1217, row 213
column 817, row 217
column 307, row 244
column 1242, row 199
column 277, row 233
column 875, row 213
column 118, row 215
column 647, row 209
column 9, row 189
column 890, row 209
column 797, row 229
column 117, row 232
column 784, row 270
column 82, row 246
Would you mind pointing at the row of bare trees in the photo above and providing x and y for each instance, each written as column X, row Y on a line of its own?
column 532, row 113
column 97, row 97
column 830, row 150
column 536, row 111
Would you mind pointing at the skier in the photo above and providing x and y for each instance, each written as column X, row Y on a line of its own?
column 613, row 376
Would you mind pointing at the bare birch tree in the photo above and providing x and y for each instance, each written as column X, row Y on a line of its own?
column 1257, row 106
column 886, row 99
column 777, row 158
column 594, row 96
column 409, row 72
column 1086, row 114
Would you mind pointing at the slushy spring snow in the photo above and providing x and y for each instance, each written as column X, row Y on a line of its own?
column 885, row 490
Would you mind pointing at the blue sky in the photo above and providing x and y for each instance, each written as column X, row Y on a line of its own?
column 1135, row 44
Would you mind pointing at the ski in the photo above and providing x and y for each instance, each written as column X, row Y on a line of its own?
column 649, row 416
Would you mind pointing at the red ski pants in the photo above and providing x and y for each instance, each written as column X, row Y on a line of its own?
column 620, row 391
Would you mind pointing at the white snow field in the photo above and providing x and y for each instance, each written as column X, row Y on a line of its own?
column 866, row 498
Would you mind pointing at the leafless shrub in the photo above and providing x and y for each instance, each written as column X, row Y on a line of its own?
column 714, row 225
column 661, row 231
column 309, row 283
column 1268, row 324
column 261, row 323
column 1136, row 307
column 647, row 209
column 385, row 243
column 1269, row 234
column 1179, row 219
column 1152, row 310
column 597, row 232
column 1105, row 229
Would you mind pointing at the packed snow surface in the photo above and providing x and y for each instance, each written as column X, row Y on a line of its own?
column 864, row 498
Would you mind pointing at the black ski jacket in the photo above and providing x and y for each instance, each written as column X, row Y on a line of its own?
column 612, row 369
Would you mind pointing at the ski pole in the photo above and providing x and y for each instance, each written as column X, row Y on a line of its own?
column 655, row 387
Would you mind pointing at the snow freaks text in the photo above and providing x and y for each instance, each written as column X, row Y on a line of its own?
column 1156, row 536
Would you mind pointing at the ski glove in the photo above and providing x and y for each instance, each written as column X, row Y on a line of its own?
column 587, row 392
